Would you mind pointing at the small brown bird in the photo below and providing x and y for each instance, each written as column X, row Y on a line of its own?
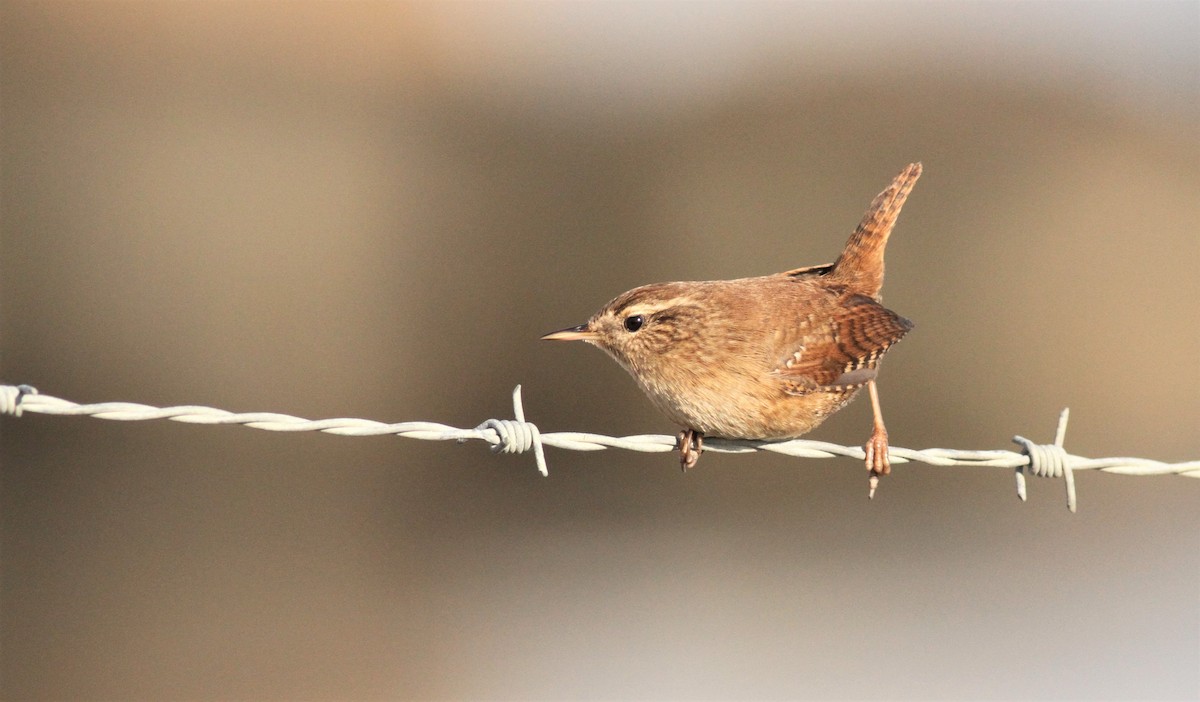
column 762, row 358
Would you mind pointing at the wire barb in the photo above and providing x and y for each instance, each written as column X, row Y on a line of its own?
column 1048, row 460
column 11, row 397
column 519, row 436
column 516, row 436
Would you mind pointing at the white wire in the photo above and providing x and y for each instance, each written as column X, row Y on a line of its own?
column 518, row 436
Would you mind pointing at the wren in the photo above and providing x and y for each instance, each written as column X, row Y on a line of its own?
column 768, row 357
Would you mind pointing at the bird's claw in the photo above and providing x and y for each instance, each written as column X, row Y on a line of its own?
column 876, row 450
column 691, row 444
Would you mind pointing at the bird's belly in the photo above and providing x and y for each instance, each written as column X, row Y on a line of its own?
column 762, row 412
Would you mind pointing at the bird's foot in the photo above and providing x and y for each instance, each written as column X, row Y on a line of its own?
column 691, row 444
column 877, row 461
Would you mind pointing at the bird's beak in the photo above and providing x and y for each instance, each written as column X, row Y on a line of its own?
column 579, row 333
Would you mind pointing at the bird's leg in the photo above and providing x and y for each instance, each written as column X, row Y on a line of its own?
column 691, row 443
column 876, row 447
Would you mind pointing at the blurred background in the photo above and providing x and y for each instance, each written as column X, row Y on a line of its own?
column 374, row 210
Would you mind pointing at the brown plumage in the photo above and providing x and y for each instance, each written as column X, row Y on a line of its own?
column 762, row 358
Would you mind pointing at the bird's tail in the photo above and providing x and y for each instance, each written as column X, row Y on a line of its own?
column 861, row 264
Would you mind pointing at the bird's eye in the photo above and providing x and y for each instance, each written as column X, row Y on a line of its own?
column 634, row 322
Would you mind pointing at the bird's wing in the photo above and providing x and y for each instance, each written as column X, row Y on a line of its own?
column 842, row 352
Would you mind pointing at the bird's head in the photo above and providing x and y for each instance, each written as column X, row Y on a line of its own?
column 643, row 326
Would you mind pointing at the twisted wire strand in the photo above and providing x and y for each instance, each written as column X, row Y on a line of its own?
column 519, row 436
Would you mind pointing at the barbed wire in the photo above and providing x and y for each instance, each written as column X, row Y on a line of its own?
column 519, row 436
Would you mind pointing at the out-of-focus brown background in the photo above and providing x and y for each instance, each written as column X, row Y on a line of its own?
column 375, row 209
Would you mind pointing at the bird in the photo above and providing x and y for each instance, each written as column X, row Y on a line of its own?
column 768, row 357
